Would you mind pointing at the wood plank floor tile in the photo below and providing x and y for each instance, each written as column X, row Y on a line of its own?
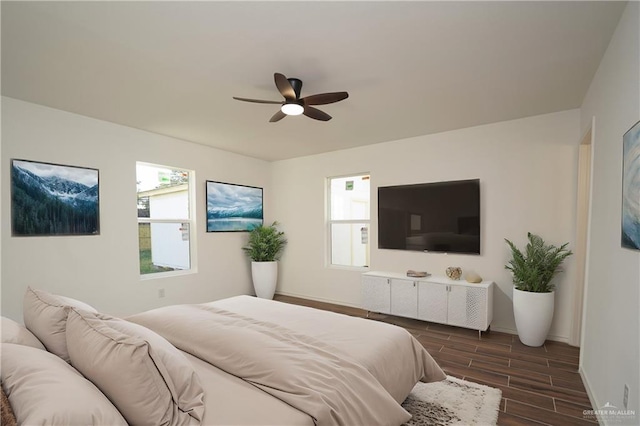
column 519, row 395
column 448, row 343
column 511, row 372
column 518, row 346
column 570, row 408
column 570, row 360
column 488, row 376
column 483, row 343
column 432, row 347
column 506, row 419
column 551, row 371
column 477, row 356
column 460, row 360
column 575, row 385
column 513, row 355
column 547, row 416
column 458, row 331
column 552, row 391
column 555, row 363
column 562, row 348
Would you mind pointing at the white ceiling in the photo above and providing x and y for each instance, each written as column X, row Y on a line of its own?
column 411, row 68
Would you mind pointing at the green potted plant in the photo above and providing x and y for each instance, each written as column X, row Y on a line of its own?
column 534, row 290
column 264, row 248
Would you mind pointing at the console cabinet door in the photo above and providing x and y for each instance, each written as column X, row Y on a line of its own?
column 376, row 294
column 404, row 298
column 468, row 307
column 432, row 302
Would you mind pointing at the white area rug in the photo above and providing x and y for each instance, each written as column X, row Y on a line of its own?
column 452, row 402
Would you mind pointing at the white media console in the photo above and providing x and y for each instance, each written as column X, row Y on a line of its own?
column 432, row 298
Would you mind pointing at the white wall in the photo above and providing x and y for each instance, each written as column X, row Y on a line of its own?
column 528, row 178
column 611, row 348
column 103, row 270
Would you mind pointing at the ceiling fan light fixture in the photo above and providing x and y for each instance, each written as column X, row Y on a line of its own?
column 292, row 108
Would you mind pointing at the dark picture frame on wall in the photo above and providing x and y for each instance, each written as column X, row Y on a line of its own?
column 50, row 199
column 233, row 208
column 631, row 188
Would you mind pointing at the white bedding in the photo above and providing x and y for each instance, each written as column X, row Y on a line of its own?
column 230, row 400
column 372, row 360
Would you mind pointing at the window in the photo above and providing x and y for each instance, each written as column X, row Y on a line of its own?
column 348, row 224
column 165, row 219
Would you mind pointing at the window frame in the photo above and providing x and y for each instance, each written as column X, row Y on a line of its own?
column 191, row 220
column 329, row 222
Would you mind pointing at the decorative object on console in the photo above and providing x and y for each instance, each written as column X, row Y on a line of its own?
column 232, row 207
column 454, row 272
column 417, row 274
column 631, row 188
column 52, row 199
column 533, row 293
column 472, row 277
column 265, row 247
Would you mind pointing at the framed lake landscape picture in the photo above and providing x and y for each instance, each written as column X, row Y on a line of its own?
column 233, row 208
column 631, row 188
column 53, row 199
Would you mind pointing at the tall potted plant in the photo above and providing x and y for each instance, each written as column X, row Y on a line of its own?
column 533, row 293
column 264, row 248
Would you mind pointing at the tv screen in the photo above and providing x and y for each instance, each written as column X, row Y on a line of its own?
column 433, row 217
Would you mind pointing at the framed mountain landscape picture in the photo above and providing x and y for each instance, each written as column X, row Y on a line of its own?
column 53, row 199
column 233, row 208
column 631, row 188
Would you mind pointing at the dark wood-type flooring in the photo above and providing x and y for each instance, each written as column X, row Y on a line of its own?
column 539, row 385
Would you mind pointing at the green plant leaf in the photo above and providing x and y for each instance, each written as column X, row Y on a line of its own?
column 265, row 243
column 534, row 269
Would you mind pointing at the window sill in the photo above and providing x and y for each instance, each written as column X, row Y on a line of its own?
column 168, row 274
column 348, row 268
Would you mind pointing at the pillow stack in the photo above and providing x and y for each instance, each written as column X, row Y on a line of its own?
column 148, row 379
column 12, row 332
column 45, row 390
column 45, row 315
column 123, row 372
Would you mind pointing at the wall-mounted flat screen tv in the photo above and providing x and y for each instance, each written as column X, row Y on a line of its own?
column 432, row 217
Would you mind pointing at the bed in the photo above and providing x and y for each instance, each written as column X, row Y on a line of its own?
column 240, row 360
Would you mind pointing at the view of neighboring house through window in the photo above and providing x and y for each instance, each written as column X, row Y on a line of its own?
column 349, row 220
column 164, row 218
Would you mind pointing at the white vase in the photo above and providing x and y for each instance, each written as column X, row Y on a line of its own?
column 265, row 276
column 533, row 313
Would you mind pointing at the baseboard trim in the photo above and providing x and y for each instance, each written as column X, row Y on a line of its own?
column 514, row 331
column 592, row 399
column 318, row 299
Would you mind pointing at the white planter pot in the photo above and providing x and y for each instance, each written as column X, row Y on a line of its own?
column 533, row 313
column 265, row 276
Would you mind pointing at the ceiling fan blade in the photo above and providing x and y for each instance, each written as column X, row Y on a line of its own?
column 277, row 116
column 257, row 101
column 284, row 87
column 325, row 98
column 316, row 114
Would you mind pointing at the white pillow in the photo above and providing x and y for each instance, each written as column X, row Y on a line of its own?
column 45, row 315
column 12, row 332
column 182, row 380
column 45, row 390
column 130, row 371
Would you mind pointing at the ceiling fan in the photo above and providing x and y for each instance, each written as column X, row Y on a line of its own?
column 293, row 104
